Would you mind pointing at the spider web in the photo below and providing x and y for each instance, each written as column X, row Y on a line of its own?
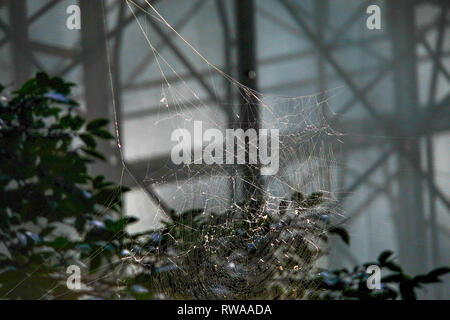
column 224, row 259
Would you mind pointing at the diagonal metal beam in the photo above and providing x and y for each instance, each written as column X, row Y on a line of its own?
column 362, row 178
column 147, row 60
column 426, row 177
column 435, row 57
column 53, row 50
column 388, row 126
column 335, row 41
column 429, row 145
column 387, row 66
column 45, row 8
column 434, row 72
column 327, row 54
column 110, row 35
column 351, row 20
column 183, row 59
column 377, row 192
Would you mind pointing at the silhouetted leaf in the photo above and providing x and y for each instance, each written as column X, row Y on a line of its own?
column 102, row 134
column 395, row 278
column 342, row 233
column 76, row 123
column 42, row 79
column 439, row 272
column 425, row 279
column 96, row 124
column 88, row 140
column 392, row 266
column 94, row 153
column 382, row 258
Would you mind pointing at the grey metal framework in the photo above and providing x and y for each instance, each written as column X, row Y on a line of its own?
column 411, row 190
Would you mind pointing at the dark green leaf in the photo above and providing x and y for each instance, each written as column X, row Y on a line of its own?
column 76, row 123
column 42, row 79
column 59, row 242
column 102, row 134
column 94, row 153
column 95, row 264
column 88, row 140
column 96, row 124
column 59, row 85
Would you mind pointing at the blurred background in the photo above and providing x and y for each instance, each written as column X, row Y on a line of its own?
column 386, row 90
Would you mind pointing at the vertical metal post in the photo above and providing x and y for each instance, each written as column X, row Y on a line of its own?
column 228, row 48
column 321, row 16
column 321, row 11
column 96, row 80
column 20, row 47
column 116, row 63
column 249, row 110
column 409, row 219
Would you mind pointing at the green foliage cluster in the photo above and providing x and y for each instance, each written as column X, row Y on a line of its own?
column 55, row 214
column 342, row 284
